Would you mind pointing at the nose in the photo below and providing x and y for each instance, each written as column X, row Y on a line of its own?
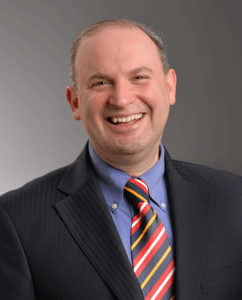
column 122, row 95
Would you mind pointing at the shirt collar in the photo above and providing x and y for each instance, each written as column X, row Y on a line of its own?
column 112, row 180
column 154, row 176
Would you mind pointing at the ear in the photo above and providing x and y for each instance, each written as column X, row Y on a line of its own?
column 171, row 84
column 72, row 98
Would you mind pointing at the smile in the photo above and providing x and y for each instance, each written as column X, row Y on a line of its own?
column 124, row 120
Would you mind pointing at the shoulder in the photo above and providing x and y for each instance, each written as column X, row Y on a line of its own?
column 213, row 179
column 205, row 171
column 51, row 187
column 40, row 187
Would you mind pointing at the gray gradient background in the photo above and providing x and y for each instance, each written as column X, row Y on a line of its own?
column 38, row 133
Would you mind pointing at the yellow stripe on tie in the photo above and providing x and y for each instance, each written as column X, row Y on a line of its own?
column 173, row 297
column 144, row 231
column 156, row 267
column 135, row 193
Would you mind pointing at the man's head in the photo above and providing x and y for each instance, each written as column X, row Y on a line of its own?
column 123, row 96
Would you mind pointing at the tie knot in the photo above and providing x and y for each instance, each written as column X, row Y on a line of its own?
column 137, row 190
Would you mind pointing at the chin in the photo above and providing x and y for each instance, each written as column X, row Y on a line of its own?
column 127, row 148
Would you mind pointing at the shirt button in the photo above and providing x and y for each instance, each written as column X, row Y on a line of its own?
column 114, row 206
column 163, row 205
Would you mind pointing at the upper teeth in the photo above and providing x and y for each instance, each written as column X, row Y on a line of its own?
column 126, row 119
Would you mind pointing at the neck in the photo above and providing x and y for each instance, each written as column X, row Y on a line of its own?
column 132, row 164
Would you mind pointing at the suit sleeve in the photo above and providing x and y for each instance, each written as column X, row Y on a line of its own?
column 15, row 278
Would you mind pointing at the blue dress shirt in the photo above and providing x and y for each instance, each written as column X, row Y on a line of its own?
column 112, row 182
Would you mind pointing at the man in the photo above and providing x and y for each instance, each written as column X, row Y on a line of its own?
column 67, row 235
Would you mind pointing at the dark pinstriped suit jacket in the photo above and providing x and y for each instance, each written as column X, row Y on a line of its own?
column 58, row 239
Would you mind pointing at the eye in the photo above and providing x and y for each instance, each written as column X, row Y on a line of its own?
column 99, row 83
column 140, row 77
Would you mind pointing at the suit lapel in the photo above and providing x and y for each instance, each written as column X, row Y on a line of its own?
column 190, row 211
column 88, row 219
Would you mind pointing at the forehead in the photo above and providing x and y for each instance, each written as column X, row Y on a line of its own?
column 117, row 42
column 120, row 33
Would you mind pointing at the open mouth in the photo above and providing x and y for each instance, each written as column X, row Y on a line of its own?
column 125, row 120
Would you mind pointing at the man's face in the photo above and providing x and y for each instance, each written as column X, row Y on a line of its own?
column 123, row 96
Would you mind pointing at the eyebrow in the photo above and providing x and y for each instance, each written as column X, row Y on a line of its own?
column 138, row 70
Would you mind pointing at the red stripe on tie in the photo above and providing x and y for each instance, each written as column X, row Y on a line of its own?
column 166, row 287
column 136, row 217
column 146, row 247
column 160, row 281
column 143, row 213
column 140, row 185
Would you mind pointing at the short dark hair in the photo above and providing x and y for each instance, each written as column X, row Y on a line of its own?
column 91, row 30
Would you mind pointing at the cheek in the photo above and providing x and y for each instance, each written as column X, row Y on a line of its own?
column 151, row 93
column 158, row 102
column 154, row 93
column 148, row 95
column 91, row 111
column 152, row 99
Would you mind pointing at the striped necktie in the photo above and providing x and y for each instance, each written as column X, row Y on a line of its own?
column 151, row 252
